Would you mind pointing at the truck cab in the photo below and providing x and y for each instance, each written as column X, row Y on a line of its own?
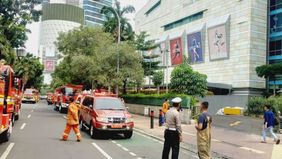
column 104, row 112
column 30, row 95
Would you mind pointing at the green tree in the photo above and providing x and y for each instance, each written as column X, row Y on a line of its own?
column 111, row 25
column 90, row 59
column 30, row 70
column 158, row 78
column 185, row 80
column 270, row 71
column 14, row 16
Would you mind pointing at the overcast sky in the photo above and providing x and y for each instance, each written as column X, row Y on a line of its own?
column 33, row 37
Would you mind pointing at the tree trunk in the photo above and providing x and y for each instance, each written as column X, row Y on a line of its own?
column 124, row 86
column 158, row 89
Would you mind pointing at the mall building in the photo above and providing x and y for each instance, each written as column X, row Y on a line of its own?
column 224, row 39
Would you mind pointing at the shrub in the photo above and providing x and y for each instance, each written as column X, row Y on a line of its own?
column 256, row 105
column 157, row 99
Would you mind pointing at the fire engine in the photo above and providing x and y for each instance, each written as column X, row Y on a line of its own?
column 62, row 95
column 10, row 101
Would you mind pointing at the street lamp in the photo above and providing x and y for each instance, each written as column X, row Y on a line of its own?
column 119, row 27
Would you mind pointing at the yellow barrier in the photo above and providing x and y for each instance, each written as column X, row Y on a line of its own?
column 232, row 111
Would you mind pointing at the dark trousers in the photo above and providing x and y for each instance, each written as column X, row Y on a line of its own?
column 171, row 142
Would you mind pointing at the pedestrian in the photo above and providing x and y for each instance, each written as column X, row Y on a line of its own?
column 165, row 109
column 173, row 132
column 204, row 132
column 72, row 121
column 268, row 125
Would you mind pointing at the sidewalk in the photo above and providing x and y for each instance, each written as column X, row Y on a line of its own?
column 225, row 143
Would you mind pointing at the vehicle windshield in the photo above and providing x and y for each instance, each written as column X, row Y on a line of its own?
column 28, row 91
column 109, row 104
column 69, row 91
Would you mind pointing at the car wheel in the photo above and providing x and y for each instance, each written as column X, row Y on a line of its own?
column 81, row 126
column 5, row 136
column 61, row 109
column 93, row 132
column 13, row 119
column 128, row 134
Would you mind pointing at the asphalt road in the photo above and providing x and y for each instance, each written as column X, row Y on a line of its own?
column 37, row 136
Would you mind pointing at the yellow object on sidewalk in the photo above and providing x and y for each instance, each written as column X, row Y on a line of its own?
column 277, row 152
column 232, row 111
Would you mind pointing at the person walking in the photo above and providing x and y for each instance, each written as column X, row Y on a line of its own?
column 204, row 132
column 173, row 131
column 268, row 125
column 72, row 121
column 165, row 109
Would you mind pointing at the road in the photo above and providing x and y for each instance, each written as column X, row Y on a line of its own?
column 37, row 136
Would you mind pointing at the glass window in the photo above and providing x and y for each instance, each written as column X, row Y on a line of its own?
column 109, row 104
column 88, row 101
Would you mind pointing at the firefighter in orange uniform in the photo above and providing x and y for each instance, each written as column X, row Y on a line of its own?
column 72, row 121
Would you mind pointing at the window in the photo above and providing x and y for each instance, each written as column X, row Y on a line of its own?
column 108, row 104
column 275, row 48
column 184, row 21
column 88, row 101
column 275, row 4
column 153, row 8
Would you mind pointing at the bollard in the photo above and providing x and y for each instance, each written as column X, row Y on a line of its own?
column 160, row 117
column 152, row 119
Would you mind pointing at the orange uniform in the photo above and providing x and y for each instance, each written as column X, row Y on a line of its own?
column 165, row 107
column 72, row 122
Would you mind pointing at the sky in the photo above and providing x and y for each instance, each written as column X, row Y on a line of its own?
column 33, row 37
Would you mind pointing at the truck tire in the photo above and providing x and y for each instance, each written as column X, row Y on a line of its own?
column 5, row 136
column 18, row 115
column 128, row 134
column 13, row 120
column 61, row 109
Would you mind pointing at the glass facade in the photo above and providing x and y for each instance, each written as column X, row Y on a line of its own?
column 92, row 9
column 275, row 39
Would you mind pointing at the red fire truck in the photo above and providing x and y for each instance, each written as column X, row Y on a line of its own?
column 62, row 95
column 10, row 101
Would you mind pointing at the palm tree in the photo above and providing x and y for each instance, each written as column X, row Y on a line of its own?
column 111, row 24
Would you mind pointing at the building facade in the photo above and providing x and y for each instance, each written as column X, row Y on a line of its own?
column 224, row 39
column 275, row 39
column 56, row 18
column 92, row 9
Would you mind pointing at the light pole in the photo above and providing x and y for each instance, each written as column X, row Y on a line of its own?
column 119, row 27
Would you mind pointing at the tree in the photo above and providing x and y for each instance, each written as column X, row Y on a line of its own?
column 185, row 80
column 90, row 59
column 158, row 78
column 111, row 25
column 30, row 70
column 14, row 16
column 270, row 71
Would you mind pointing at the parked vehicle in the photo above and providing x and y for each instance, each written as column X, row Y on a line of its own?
column 10, row 101
column 62, row 95
column 31, row 96
column 49, row 98
column 104, row 112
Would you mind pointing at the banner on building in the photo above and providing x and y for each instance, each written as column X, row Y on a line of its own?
column 176, row 51
column 218, row 42
column 49, row 65
column 195, row 47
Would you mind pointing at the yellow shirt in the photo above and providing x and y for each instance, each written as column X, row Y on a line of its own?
column 165, row 107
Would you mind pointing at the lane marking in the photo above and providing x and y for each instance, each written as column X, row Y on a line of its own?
column 29, row 116
column 119, row 145
column 125, row 149
column 252, row 150
column 7, row 151
column 102, row 151
column 235, row 123
column 132, row 154
column 65, row 117
column 22, row 127
column 114, row 142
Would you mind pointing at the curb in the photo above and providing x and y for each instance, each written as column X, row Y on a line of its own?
column 192, row 149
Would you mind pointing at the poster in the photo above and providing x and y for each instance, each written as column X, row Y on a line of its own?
column 49, row 65
column 176, row 51
column 217, row 42
column 195, row 47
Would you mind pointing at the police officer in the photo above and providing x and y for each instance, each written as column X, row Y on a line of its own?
column 173, row 130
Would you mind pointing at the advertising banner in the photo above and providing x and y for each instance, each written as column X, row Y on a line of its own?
column 176, row 51
column 217, row 42
column 49, row 65
column 195, row 48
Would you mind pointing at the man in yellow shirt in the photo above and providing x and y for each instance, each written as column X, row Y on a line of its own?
column 165, row 108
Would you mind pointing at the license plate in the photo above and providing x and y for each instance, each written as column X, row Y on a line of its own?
column 116, row 126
